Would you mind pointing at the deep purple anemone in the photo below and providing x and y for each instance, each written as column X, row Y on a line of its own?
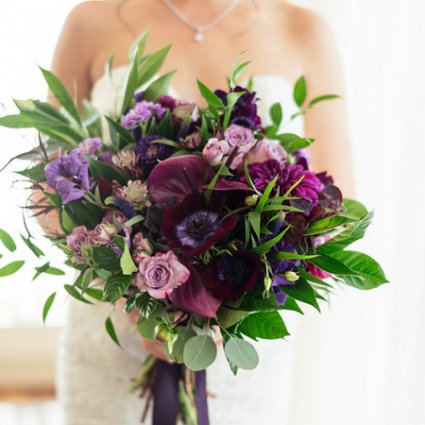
column 245, row 111
column 68, row 176
column 150, row 153
column 229, row 276
column 193, row 225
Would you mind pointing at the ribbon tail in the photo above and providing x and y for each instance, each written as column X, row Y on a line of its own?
column 201, row 397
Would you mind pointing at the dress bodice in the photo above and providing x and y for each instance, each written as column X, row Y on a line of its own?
column 106, row 97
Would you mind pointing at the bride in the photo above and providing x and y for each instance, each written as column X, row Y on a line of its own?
column 283, row 42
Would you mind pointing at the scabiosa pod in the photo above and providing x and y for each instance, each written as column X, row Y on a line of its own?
column 135, row 192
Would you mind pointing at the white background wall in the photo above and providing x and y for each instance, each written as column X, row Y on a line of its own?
column 361, row 361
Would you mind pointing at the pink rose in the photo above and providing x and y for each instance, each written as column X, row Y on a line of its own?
column 215, row 150
column 142, row 246
column 160, row 274
column 102, row 234
column 76, row 241
column 239, row 137
column 265, row 150
column 115, row 218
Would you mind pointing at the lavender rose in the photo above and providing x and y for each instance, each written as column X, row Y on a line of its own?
column 267, row 149
column 214, row 151
column 160, row 274
column 240, row 137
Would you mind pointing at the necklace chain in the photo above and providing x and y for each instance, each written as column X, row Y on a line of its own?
column 200, row 29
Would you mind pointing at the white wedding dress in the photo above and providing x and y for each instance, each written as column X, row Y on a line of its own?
column 94, row 375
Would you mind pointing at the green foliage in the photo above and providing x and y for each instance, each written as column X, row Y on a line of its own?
column 151, row 64
column 241, row 353
column 300, row 91
column 158, row 88
column 199, row 352
column 7, row 240
column 126, row 262
column 73, row 291
column 211, row 98
column 99, row 169
column 176, row 352
column 302, row 291
column 11, row 268
column 115, row 287
column 48, row 269
column 109, row 326
column 145, row 304
column 264, row 325
column 106, row 258
column 47, row 306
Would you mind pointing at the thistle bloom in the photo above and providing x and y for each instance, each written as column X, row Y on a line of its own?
column 136, row 193
column 160, row 274
column 142, row 111
column 193, row 225
column 228, row 277
column 68, row 176
column 215, row 150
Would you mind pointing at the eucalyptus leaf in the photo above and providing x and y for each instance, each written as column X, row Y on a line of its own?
column 241, row 353
column 199, row 352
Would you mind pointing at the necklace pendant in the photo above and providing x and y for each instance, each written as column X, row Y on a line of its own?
column 199, row 37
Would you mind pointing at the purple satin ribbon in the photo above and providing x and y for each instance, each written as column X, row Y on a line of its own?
column 166, row 406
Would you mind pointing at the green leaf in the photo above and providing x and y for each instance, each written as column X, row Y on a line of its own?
column 61, row 94
column 7, row 240
column 254, row 218
column 322, row 98
column 88, row 277
column 48, row 305
column 301, row 291
column 284, row 255
column 72, row 290
column 99, row 169
column 354, row 209
column 46, row 268
column 292, row 142
column 127, row 264
column 211, row 98
column 166, row 126
column 232, row 99
column 158, row 88
column 35, row 173
column 176, row 354
column 199, row 352
column 146, row 327
column 11, row 268
column 276, row 114
column 267, row 246
column 34, row 248
column 106, row 258
column 115, row 287
column 109, row 326
column 327, row 224
column 331, row 265
column 241, row 353
column 362, row 266
column 292, row 305
column 145, row 305
column 266, row 194
column 264, row 325
column 131, row 81
column 95, row 293
column 150, row 65
column 121, row 131
column 300, row 91
column 229, row 317
column 138, row 47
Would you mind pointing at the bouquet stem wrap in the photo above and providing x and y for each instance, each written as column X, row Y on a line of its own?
column 167, row 406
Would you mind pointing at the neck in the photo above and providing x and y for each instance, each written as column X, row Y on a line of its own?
column 201, row 10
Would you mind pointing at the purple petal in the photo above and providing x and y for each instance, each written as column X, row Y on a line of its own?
column 177, row 177
column 192, row 297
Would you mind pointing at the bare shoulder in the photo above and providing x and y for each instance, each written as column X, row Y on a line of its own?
column 309, row 29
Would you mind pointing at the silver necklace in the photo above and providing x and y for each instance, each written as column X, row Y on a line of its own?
column 200, row 29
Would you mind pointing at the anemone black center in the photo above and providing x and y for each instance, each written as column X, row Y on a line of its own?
column 200, row 224
column 234, row 271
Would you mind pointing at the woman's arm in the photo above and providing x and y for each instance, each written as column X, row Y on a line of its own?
column 71, row 63
column 327, row 122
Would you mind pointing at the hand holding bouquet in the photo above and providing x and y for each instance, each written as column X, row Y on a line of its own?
column 194, row 219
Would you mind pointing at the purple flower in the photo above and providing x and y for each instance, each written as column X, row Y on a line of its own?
column 142, row 111
column 160, row 274
column 301, row 157
column 106, row 157
column 245, row 111
column 68, row 176
column 167, row 102
column 229, row 276
column 90, row 146
column 193, row 225
column 150, row 153
column 263, row 173
column 76, row 241
column 215, row 150
column 267, row 149
column 308, row 188
column 240, row 137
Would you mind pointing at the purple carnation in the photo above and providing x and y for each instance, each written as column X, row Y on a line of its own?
column 142, row 111
column 308, row 188
column 149, row 153
column 90, row 146
column 68, row 176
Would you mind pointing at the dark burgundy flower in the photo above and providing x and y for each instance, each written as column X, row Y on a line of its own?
column 229, row 276
column 325, row 178
column 194, row 225
column 149, row 153
column 245, row 111
column 308, row 188
column 167, row 102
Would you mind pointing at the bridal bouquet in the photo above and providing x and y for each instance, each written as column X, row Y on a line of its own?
column 198, row 220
